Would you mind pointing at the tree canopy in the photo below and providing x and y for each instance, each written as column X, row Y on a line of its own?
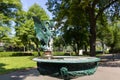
column 85, row 13
column 12, row 16
column 25, row 28
column 8, row 9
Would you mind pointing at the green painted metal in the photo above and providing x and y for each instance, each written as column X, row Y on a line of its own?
column 67, row 67
column 43, row 31
column 68, row 59
column 64, row 73
column 74, row 74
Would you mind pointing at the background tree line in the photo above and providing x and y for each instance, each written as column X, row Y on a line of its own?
column 87, row 20
column 83, row 22
column 14, row 17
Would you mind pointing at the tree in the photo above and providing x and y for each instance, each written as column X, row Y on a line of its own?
column 90, row 11
column 4, row 32
column 113, row 36
column 76, row 36
column 25, row 25
column 109, row 34
column 75, row 30
column 36, row 10
column 102, row 30
column 25, row 32
column 8, row 9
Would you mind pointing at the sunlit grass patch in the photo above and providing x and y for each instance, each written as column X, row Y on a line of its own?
column 8, row 64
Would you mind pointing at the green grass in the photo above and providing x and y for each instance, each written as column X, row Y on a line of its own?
column 9, row 64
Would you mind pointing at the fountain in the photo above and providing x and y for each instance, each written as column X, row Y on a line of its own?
column 65, row 67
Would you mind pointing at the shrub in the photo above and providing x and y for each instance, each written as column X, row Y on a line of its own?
column 1, row 48
column 117, row 50
column 8, row 54
column 22, row 54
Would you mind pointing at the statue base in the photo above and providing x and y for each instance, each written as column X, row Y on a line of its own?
column 48, row 54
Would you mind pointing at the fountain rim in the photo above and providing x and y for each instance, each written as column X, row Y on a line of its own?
column 66, row 59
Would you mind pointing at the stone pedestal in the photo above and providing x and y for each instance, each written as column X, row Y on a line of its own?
column 48, row 54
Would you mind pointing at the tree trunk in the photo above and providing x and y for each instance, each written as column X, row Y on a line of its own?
column 38, row 50
column 36, row 41
column 24, row 48
column 103, row 48
column 92, row 41
column 85, row 47
column 77, row 49
column 92, row 32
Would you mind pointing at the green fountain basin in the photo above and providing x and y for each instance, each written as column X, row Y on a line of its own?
column 67, row 67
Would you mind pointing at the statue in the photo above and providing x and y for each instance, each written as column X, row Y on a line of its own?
column 66, row 67
column 44, row 33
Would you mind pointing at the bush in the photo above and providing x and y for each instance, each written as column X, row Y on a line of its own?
column 1, row 48
column 8, row 54
column 99, row 52
column 114, row 50
column 58, row 53
column 22, row 54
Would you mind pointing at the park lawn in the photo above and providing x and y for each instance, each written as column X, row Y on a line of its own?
column 9, row 64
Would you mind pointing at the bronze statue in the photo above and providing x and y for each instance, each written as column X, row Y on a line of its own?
column 44, row 33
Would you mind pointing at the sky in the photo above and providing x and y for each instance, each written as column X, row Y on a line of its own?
column 27, row 3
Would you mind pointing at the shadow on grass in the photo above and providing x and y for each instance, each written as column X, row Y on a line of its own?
column 2, row 67
column 15, row 73
column 3, row 70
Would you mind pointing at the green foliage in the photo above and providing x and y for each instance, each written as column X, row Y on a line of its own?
column 6, row 54
column 25, row 27
column 36, row 10
column 4, row 32
column 109, row 34
column 8, row 9
column 11, row 13
column 113, row 40
column 58, row 53
column 58, row 41
column 1, row 48
column 84, row 14
column 11, row 54
column 74, row 19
